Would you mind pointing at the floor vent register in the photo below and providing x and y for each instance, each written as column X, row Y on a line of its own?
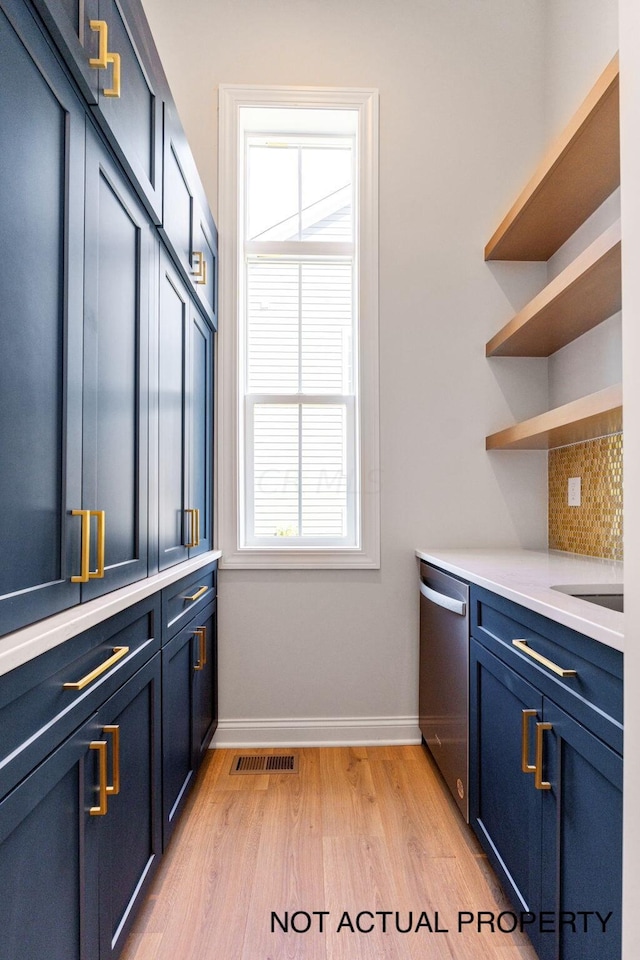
column 255, row 763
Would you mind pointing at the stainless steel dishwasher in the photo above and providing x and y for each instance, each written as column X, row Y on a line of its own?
column 443, row 702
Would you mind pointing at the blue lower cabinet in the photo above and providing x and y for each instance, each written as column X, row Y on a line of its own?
column 80, row 837
column 505, row 808
column 49, row 902
column 130, row 833
column 582, row 838
column 206, row 685
column 546, row 805
column 189, row 710
column 179, row 660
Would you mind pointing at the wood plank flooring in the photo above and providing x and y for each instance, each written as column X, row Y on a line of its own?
column 358, row 831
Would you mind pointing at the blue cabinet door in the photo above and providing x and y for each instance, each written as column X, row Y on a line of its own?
column 126, row 92
column 200, row 462
column 130, row 99
column 189, row 709
column 205, row 255
column 206, row 684
column 129, row 837
column 42, row 128
column 505, row 807
column 180, row 659
column 174, row 319
column 185, row 423
column 187, row 224
column 118, row 258
column 582, row 838
column 49, row 902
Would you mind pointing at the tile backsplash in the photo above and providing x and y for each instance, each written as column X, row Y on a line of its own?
column 595, row 527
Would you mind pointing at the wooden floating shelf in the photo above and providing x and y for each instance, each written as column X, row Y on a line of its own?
column 587, row 292
column 597, row 415
column 578, row 173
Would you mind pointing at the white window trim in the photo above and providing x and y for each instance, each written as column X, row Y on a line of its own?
column 235, row 556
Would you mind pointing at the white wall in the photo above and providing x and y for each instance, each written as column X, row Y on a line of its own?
column 581, row 37
column 461, row 124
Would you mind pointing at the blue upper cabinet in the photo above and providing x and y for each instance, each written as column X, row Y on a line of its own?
column 107, row 46
column 118, row 273
column 89, row 324
column 42, row 131
column 185, row 422
column 188, row 227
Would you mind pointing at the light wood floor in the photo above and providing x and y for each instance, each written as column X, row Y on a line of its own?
column 358, row 829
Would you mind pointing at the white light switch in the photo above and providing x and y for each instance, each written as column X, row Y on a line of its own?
column 573, row 491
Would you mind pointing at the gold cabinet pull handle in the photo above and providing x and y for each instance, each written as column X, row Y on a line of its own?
column 539, row 782
column 114, row 730
column 200, row 273
column 105, row 58
column 98, row 573
column 200, row 592
column 194, row 531
column 114, row 89
column 201, row 634
column 526, row 716
column 85, row 573
column 523, row 646
column 118, row 654
column 101, row 747
column 85, row 538
column 100, row 27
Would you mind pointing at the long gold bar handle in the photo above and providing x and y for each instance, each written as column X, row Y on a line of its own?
column 192, row 530
column 198, row 632
column 84, row 575
column 200, row 592
column 118, row 654
column 540, row 729
column 114, row 90
column 101, row 747
column 98, row 573
column 114, row 730
column 523, row 646
column 200, row 273
column 100, row 27
column 526, row 716
column 197, row 527
column 203, row 645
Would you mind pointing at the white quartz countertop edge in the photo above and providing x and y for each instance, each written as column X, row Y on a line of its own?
column 526, row 577
column 23, row 645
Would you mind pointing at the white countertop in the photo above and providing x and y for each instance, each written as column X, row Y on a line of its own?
column 526, row 577
column 19, row 647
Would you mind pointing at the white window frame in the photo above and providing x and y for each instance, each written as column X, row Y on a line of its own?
column 235, row 554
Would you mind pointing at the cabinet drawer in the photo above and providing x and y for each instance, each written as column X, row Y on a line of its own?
column 185, row 598
column 37, row 710
column 593, row 695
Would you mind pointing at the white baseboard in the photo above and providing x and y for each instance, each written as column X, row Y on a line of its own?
column 317, row 732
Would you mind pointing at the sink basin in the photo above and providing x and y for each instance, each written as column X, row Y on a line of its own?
column 609, row 595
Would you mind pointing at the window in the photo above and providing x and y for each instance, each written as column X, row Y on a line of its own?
column 298, row 478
